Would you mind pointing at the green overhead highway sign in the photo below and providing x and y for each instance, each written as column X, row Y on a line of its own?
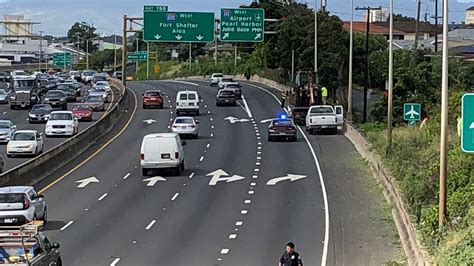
column 155, row 8
column 467, row 135
column 61, row 59
column 178, row 27
column 412, row 112
column 242, row 25
column 137, row 56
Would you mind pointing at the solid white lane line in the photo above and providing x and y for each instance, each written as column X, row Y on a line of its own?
column 244, row 211
column 103, row 196
column 191, row 175
column 66, row 226
column 175, row 196
column 208, row 145
column 150, row 225
column 182, row 82
column 126, row 176
column 249, row 113
column 115, row 262
column 247, row 201
column 224, row 251
column 201, row 159
column 232, row 236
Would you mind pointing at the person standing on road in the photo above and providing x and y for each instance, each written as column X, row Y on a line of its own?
column 324, row 94
column 290, row 257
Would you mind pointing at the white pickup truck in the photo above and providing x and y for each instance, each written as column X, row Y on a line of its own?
column 324, row 117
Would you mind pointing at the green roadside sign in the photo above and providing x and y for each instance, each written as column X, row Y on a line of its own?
column 467, row 135
column 61, row 59
column 178, row 26
column 155, row 8
column 412, row 112
column 138, row 56
column 242, row 25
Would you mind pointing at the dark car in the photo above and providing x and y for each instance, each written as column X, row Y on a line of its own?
column 56, row 99
column 39, row 113
column 236, row 88
column 152, row 98
column 226, row 97
column 117, row 75
column 4, row 76
column 69, row 91
column 282, row 128
column 95, row 102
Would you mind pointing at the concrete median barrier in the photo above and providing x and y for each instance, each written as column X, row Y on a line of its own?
column 40, row 167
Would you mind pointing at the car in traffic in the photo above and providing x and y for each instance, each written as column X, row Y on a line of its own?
column 4, row 76
column 24, row 92
column 185, row 126
column 62, row 123
column 215, row 79
column 104, row 84
column 25, row 142
column 68, row 90
column 7, row 129
column 82, row 111
column 20, row 205
column 162, row 151
column 187, row 102
column 282, row 128
column 95, row 102
column 39, row 113
column 236, row 87
column 101, row 91
column 88, row 75
column 18, row 73
column 4, row 96
column 226, row 97
column 223, row 82
column 117, row 75
column 152, row 98
column 324, row 117
column 73, row 84
column 99, row 77
column 56, row 99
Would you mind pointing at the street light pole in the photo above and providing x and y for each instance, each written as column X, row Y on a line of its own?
column 115, row 52
column 316, row 39
column 349, row 89
column 87, row 54
column 390, row 83
column 147, row 60
column 41, row 50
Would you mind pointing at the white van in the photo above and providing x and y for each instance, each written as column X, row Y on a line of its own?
column 187, row 102
column 162, row 150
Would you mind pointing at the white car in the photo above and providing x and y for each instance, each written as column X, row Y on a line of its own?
column 104, row 84
column 215, row 79
column 20, row 205
column 161, row 151
column 7, row 128
column 224, row 81
column 324, row 117
column 25, row 142
column 187, row 102
column 186, row 126
column 62, row 123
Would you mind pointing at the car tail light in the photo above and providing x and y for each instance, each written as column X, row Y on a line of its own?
column 175, row 126
column 272, row 129
column 26, row 203
column 176, row 155
column 142, row 156
column 177, row 103
column 192, row 126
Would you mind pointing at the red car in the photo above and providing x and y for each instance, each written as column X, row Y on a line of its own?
column 152, row 98
column 82, row 111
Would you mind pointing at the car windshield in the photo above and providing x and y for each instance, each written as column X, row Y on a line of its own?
column 218, row 75
column 183, row 121
column 226, row 93
column 322, row 110
column 24, row 83
column 60, row 116
column 4, row 124
column 282, row 123
column 80, row 107
column 183, row 96
column 54, row 94
column 24, row 136
column 40, row 107
column 94, row 99
column 232, row 86
column 100, row 78
column 102, row 83
column 3, row 92
column 227, row 80
column 152, row 93
column 11, row 198
column 63, row 87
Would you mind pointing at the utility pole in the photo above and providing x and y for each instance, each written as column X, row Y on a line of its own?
column 190, row 57
column 366, row 76
column 115, row 52
column 349, row 89
column 87, row 54
column 415, row 46
column 124, row 44
column 390, row 83
column 136, row 50
column 443, row 167
column 293, row 65
column 41, row 50
column 436, row 25
column 316, row 41
column 235, row 55
column 147, row 60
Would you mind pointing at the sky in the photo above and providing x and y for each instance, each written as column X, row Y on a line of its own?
column 57, row 16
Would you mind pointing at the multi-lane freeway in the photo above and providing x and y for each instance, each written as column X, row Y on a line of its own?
column 238, row 202
column 20, row 118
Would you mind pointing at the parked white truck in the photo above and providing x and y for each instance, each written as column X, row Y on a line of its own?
column 324, row 117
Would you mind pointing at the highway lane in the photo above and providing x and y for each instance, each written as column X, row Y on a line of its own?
column 20, row 118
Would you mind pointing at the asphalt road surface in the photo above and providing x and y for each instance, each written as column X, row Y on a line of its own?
column 20, row 118
column 239, row 201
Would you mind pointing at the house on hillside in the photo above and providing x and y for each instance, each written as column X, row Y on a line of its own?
column 425, row 29
column 360, row 26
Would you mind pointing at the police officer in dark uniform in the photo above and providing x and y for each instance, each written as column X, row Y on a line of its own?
column 290, row 257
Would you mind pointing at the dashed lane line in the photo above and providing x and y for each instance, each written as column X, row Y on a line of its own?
column 102, row 197
column 115, row 262
column 150, row 225
column 175, row 196
column 66, row 226
column 126, row 176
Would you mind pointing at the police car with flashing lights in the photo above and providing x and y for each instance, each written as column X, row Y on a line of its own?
column 282, row 128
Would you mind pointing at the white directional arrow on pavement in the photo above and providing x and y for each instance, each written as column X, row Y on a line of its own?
column 266, row 120
column 153, row 180
column 178, row 37
column 234, row 120
column 217, row 177
column 157, row 36
column 199, row 37
column 149, row 121
column 258, row 36
column 87, row 181
column 226, row 35
column 290, row 177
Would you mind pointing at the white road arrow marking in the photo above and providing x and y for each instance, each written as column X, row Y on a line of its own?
column 178, row 37
column 199, row 37
column 217, row 177
column 157, row 36
column 234, row 120
column 290, row 177
column 266, row 121
column 226, row 35
column 153, row 180
column 471, row 126
column 149, row 121
column 87, row 181
column 258, row 36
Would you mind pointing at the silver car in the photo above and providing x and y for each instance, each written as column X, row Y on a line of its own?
column 95, row 102
column 186, row 126
column 20, row 205
column 4, row 96
column 7, row 128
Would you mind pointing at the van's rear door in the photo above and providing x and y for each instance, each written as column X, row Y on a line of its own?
column 159, row 149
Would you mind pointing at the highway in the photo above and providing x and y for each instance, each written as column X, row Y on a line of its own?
column 239, row 201
column 20, row 118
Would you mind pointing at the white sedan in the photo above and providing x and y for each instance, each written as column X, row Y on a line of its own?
column 186, row 126
column 104, row 84
column 25, row 142
column 62, row 123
